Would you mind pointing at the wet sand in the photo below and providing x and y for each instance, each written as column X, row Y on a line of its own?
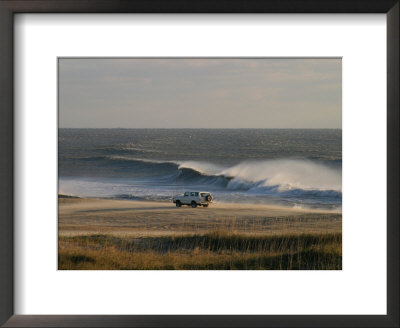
column 81, row 216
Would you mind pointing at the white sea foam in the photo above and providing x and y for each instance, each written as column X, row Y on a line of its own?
column 286, row 174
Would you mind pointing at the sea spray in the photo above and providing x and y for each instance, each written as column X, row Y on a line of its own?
column 286, row 167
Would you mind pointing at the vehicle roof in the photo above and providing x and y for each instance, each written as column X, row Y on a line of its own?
column 199, row 191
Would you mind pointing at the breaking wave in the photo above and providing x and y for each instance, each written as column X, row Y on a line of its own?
column 282, row 176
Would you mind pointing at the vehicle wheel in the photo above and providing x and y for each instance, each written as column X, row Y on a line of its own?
column 194, row 205
column 178, row 204
column 208, row 198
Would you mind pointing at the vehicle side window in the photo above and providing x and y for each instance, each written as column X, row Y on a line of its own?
column 192, row 194
column 186, row 194
column 196, row 194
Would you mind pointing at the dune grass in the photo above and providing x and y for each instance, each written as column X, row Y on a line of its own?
column 215, row 250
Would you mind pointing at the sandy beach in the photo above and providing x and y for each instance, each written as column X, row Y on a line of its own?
column 137, row 235
column 82, row 216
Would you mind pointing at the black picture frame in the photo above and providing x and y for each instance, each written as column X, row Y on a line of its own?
column 10, row 7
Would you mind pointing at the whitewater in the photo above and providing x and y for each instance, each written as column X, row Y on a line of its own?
column 295, row 168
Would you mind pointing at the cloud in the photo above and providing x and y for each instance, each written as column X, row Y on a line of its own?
column 144, row 91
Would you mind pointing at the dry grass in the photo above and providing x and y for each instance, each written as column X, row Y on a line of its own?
column 129, row 235
column 215, row 250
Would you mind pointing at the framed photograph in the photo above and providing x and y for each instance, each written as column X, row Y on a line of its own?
column 199, row 164
column 210, row 134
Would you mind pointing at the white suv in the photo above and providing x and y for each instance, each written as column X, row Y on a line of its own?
column 193, row 198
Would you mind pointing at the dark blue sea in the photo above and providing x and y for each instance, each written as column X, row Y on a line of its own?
column 293, row 167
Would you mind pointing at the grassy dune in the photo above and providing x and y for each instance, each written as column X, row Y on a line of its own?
column 217, row 250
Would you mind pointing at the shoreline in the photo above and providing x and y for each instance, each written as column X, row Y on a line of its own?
column 218, row 204
column 80, row 216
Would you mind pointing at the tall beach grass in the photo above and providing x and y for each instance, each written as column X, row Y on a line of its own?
column 213, row 250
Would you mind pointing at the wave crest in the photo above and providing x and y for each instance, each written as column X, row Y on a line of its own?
column 285, row 175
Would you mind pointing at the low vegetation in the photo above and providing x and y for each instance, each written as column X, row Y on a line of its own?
column 216, row 250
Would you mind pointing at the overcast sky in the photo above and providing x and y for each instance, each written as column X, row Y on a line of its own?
column 200, row 93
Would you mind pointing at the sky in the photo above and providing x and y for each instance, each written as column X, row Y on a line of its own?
column 200, row 93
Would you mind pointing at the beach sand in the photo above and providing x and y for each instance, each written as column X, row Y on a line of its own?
column 106, row 234
column 83, row 216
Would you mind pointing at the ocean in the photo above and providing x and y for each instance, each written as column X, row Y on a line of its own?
column 286, row 167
